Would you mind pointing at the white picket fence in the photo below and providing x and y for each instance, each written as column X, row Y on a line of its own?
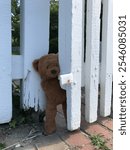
column 34, row 36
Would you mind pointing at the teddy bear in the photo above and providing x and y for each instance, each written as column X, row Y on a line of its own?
column 48, row 68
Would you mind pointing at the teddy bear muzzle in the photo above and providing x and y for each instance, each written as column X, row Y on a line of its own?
column 52, row 72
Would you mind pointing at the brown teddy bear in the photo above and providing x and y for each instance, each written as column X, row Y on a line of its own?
column 48, row 68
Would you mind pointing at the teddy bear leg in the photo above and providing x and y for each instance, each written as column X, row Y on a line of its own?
column 64, row 107
column 50, row 124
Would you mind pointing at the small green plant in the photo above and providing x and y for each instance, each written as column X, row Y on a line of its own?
column 15, row 14
column 2, row 146
column 22, row 118
column 13, row 123
column 99, row 142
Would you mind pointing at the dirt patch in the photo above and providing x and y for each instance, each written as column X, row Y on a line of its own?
column 19, row 135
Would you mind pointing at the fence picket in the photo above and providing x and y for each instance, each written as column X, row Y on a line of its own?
column 70, row 46
column 34, row 44
column 5, row 62
column 92, row 59
column 106, row 59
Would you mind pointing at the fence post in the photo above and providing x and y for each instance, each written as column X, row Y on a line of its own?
column 70, row 51
column 106, row 59
column 5, row 62
column 34, row 44
column 92, row 59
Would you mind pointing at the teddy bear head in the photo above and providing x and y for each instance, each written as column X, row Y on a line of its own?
column 47, row 66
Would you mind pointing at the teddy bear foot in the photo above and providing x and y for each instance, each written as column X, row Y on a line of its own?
column 48, row 131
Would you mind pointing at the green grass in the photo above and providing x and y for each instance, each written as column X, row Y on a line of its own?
column 2, row 146
column 16, row 52
column 99, row 142
column 20, row 116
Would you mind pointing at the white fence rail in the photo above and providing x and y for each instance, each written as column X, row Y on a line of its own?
column 34, row 36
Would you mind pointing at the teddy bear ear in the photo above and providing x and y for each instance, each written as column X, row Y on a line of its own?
column 35, row 64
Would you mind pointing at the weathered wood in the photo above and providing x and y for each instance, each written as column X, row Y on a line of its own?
column 34, row 44
column 106, row 72
column 70, row 50
column 92, row 59
column 5, row 62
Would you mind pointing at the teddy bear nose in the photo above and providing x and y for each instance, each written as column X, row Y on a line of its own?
column 53, row 71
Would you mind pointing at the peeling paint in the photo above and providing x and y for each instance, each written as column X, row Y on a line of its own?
column 92, row 59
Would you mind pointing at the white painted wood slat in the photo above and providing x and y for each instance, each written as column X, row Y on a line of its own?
column 92, row 59
column 106, row 59
column 17, row 67
column 70, row 51
column 5, row 62
column 34, row 44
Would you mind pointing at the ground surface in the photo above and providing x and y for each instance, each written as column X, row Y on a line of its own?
column 28, row 136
